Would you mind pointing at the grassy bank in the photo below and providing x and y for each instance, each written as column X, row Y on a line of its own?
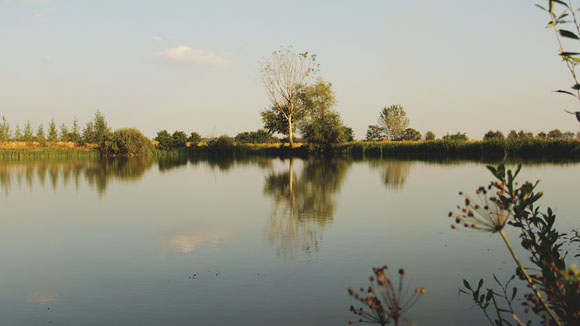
column 478, row 150
column 536, row 149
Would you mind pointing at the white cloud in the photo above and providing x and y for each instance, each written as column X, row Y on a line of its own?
column 196, row 58
column 157, row 38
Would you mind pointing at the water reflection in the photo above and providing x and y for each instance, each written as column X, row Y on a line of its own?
column 97, row 173
column 393, row 173
column 303, row 205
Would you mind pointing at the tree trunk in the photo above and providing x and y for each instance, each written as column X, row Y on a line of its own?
column 290, row 139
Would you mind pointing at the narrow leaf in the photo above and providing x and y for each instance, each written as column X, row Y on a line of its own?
column 565, row 92
column 568, row 34
column 466, row 284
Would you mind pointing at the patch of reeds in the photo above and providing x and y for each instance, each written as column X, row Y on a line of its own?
column 20, row 154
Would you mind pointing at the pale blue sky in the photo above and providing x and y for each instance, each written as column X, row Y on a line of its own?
column 454, row 65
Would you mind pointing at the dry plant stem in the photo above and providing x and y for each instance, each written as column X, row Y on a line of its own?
column 529, row 279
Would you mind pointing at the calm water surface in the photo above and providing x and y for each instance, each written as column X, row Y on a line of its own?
column 254, row 242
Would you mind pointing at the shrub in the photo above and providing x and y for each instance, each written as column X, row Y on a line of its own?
column 179, row 139
column 223, row 145
column 429, row 135
column 261, row 136
column 458, row 136
column 194, row 138
column 493, row 135
column 127, row 141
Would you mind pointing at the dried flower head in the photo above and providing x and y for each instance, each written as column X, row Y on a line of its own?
column 385, row 301
column 490, row 212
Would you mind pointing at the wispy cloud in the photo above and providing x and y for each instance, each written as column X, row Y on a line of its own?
column 184, row 55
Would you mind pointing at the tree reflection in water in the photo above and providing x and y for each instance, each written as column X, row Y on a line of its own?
column 303, row 205
column 394, row 173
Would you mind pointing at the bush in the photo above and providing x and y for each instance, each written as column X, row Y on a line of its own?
column 127, row 141
column 429, row 135
column 194, row 138
column 256, row 137
column 458, row 136
column 223, row 145
column 179, row 139
column 493, row 135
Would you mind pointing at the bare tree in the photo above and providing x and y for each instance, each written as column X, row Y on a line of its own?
column 283, row 74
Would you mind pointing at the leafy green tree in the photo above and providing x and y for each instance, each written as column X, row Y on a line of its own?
column 512, row 134
column 493, row 135
column 556, row 133
column 429, row 135
column 74, row 135
column 164, row 139
column 4, row 130
column 394, row 121
column 568, row 135
column 40, row 137
column 96, row 129
column 375, row 133
column 348, row 133
column 194, row 138
column 17, row 133
column 126, row 141
column 256, row 137
column 459, row 136
column 411, row 134
column 283, row 74
column 64, row 133
column 27, row 133
column 322, row 126
column 52, row 131
column 179, row 139
column 542, row 135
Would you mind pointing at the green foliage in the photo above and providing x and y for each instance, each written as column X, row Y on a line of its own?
column 64, row 133
column 194, row 138
column 556, row 133
column 459, row 136
column 28, row 136
column 4, row 130
column 74, row 135
column 429, row 135
column 126, row 141
column 411, row 134
column 96, row 130
column 348, row 133
column 256, row 137
column 40, row 137
column 52, row 131
column 493, row 135
column 322, row 127
column 17, row 133
column 179, row 139
column 275, row 121
column 164, row 139
column 519, row 135
column 394, row 121
column 221, row 146
column 374, row 133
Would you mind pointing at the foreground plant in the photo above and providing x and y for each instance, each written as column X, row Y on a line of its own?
column 384, row 300
column 556, row 290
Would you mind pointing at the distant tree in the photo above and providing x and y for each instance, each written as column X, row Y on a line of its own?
column 458, row 136
column 17, row 133
column 578, row 135
column 52, row 131
column 164, row 139
column 394, row 121
column 194, row 138
column 542, row 135
column 283, row 74
column 568, row 135
column 4, row 130
column 74, row 135
column 374, row 133
column 256, row 137
column 411, row 134
column 512, row 134
column 493, row 135
column 27, row 133
column 429, row 135
column 348, row 133
column 322, row 126
column 525, row 134
column 40, row 137
column 556, row 133
column 127, row 141
column 179, row 139
column 64, row 133
column 96, row 129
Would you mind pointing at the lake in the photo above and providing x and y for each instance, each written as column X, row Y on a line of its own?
column 259, row 241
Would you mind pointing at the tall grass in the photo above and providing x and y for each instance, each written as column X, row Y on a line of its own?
column 20, row 154
column 489, row 149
